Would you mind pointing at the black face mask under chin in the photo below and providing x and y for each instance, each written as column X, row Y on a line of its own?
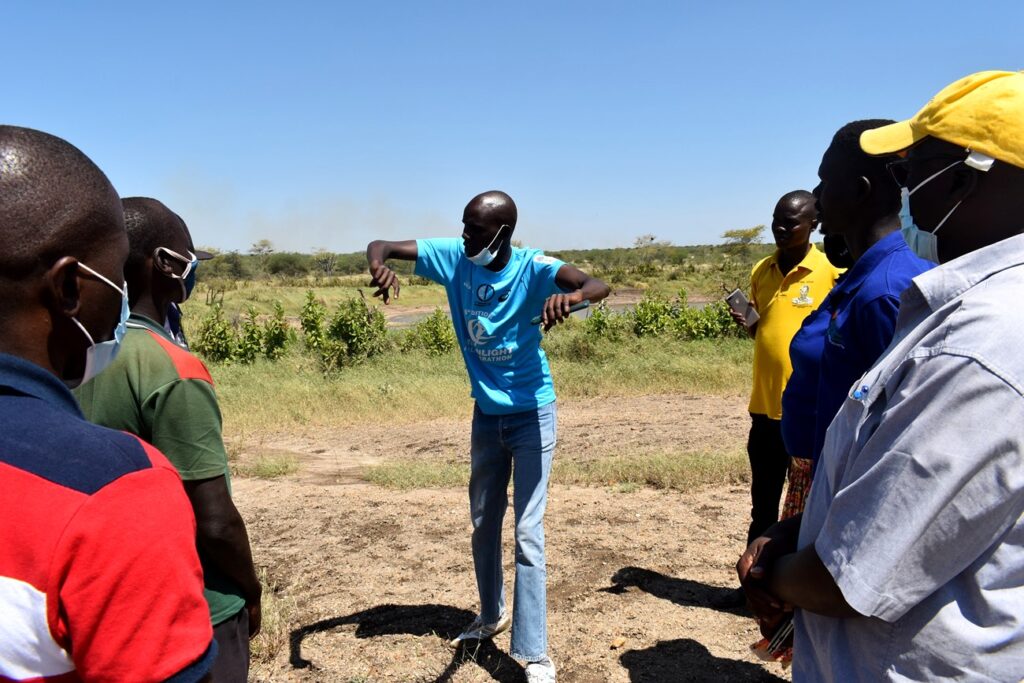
column 836, row 251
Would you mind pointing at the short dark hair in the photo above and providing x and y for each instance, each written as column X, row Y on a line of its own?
column 150, row 224
column 54, row 202
column 846, row 144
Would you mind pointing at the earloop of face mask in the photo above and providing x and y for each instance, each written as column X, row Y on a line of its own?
column 924, row 243
column 187, row 279
column 100, row 355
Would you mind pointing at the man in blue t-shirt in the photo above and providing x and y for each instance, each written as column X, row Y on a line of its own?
column 494, row 290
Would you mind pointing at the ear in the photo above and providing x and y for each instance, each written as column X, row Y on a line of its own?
column 62, row 288
column 864, row 188
column 161, row 262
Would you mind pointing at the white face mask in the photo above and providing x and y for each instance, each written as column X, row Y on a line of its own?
column 486, row 256
column 922, row 242
column 99, row 356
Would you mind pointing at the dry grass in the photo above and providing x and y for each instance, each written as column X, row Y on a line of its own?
column 624, row 473
column 268, row 465
column 408, row 387
column 277, row 608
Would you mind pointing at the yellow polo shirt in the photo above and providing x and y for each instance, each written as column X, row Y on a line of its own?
column 783, row 302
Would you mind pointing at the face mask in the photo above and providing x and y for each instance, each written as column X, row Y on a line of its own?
column 923, row 243
column 836, row 251
column 188, row 276
column 486, row 256
column 99, row 356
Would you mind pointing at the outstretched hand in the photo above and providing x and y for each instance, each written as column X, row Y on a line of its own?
column 384, row 279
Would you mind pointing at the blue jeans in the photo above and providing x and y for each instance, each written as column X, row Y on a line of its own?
column 517, row 446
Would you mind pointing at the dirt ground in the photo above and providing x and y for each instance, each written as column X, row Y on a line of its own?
column 375, row 582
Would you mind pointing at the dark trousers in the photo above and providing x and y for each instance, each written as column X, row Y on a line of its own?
column 232, row 636
column 769, row 463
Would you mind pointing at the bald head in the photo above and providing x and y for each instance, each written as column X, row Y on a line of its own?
column 54, row 202
column 494, row 208
column 801, row 200
column 794, row 220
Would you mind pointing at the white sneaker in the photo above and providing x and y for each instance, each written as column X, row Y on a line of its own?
column 540, row 672
column 478, row 630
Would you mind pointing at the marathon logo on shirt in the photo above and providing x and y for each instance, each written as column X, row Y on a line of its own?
column 480, row 337
column 477, row 332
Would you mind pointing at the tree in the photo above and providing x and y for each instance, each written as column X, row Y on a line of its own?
column 739, row 240
column 649, row 240
column 645, row 240
column 325, row 261
column 262, row 250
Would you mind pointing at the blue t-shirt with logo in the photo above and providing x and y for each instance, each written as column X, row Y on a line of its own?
column 491, row 312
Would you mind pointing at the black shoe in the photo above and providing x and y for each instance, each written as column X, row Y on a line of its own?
column 733, row 599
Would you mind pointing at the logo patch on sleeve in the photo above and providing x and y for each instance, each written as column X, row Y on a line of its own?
column 546, row 260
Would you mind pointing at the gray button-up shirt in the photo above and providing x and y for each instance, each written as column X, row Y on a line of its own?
column 916, row 507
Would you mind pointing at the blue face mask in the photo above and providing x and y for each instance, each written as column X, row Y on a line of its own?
column 99, row 356
column 188, row 276
column 922, row 242
column 486, row 256
column 190, row 279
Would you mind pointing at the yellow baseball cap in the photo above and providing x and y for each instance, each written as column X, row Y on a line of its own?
column 984, row 112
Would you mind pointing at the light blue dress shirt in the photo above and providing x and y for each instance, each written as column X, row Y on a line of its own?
column 916, row 507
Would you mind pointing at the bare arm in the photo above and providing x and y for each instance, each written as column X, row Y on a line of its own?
column 379, row 251
column 221, row 534
column 801, row 579
column 579, row 286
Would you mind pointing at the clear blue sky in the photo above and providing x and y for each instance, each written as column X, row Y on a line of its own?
column 327, row 124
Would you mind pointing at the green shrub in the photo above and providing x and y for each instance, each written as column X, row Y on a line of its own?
column 435, row 334
column 312, row 318
column 216, row 340
column 356, row 332
column 652, row 316
column 276, row 333
column 250, row 344
column 711, row 322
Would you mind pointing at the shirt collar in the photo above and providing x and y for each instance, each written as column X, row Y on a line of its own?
column 870, row 259
column 806, row 263
column 27, row 378
column 149, row 324
column 940, row 285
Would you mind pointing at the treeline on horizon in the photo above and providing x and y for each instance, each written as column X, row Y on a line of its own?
column 618, row 265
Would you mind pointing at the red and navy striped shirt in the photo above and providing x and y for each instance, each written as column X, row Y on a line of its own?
column 99, row 578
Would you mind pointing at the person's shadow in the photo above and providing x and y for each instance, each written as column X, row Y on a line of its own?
column 419, row 620
column 683, row 592
column 673, row 661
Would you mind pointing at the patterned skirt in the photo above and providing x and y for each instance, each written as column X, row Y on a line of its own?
column 799, row 487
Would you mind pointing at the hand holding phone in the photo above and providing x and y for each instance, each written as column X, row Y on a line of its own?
column 739, row 303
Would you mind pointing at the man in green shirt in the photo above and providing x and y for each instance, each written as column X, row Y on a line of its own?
column 163, row 394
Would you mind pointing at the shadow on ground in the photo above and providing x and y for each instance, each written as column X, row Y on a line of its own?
column 418, row 620
column 672, row 661
column 683, row 592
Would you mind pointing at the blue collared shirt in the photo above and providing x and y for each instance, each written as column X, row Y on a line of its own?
column 917, row 507
column 800, row 398
column 862, row 317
